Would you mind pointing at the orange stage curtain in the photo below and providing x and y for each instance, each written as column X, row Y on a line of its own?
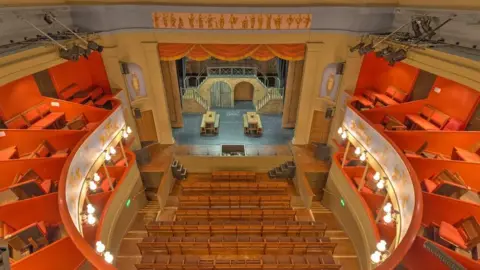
column 231, row 52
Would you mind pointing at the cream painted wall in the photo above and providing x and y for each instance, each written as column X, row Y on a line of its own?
column 258, row 92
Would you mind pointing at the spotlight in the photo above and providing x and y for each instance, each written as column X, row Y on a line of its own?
column 90, row 209
column 92, row 186
column 384, row 52
column 382, row 245
column 94, row 46
column 340, row 131
column 425, row 24
column 48, row 18
column 397, row 56
column 357, row 47
column 91, row 219
column 96, row 177
column 416, row 28
column 100, row 247
column 366, row 49
column 376, row 256
column 108, row 257
column 376, row 176
column 69, row 54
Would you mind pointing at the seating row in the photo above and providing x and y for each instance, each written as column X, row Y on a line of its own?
column 37, row 117
column 93, row 96
column 43, row 150
column 234, row 201
column 266, row 186
column 294, row 228
column 233, row 175
column 233, row 245
column 317, row 262
column 370, row 99
column 235, row 214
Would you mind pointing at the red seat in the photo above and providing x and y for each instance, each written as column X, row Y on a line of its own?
column 452, row 235
column 430, row 185
column 421, row 122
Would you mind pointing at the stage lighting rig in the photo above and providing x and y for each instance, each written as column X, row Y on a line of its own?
column 396, row 57
column 357, row 47
column 384, row 52
column 366, row 49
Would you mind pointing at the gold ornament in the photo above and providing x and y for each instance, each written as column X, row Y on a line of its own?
column 290, row 21
column 260, row 21
column 278, row 22
column 191, row 20
column 222, row 21
column 269, row 21
column 136, row 83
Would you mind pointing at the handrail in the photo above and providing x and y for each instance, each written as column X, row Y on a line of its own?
column 406, row 242
column 83, row 246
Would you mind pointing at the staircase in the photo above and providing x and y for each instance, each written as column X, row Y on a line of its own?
column 193, row 102
column 284, row 171
column 178, row 171
column 271, row 103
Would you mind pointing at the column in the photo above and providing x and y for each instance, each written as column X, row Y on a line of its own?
column 292, row 93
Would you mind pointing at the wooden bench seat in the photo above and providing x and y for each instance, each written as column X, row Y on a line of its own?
column 233, row 176
column 279, row 201
column 392, row 96
column 37, row 117
column 237, row 245
column 232, row 186
column 317, row 262
column 211, row 214
column 429, row 118
column 236, row 227
column 45, row 149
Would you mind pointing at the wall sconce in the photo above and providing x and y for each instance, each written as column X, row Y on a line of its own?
column 100, row 248
column 381, row 253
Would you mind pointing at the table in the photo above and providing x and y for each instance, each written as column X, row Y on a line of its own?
column 9, row 153
column 210, row 117
column 54, row 120
column 464, row 155
column 252, row 125
column 210, row 123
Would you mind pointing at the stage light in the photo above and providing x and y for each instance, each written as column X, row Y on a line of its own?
column 100, row 247
column 340, row 131
column 92, row 185
column 397, row 56
column 108, row 257
column 382, row 245
column 376, row 256
column 358, row 151
column 381, row 184
column 366, row 49
column 387, row 208
column 69, row 54
column 107, row 156
column 129, row 130
column 94, row 46
column 96, row 177
column 112, row 150
column 384, row 52
column 344, row 135
column 363, row 156
column 416, row 28
column 427, row 29
column 376, row 176
column 91, row 219
column 90, row 209
column 388, row 218
column 357, row 47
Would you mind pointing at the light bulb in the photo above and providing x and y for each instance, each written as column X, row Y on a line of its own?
column 112, row 150
column 125, row 135
column 376, row 257
column 107, row 157
column 340, row 131
column 388, row 218
column 358, row 151
column 96, row 177
column 92, row 185
column 90, row 209
column 108, row 257
column 363, row 157
column 91, row 219
column 129, row 130
column 382, row 246
column 381, row 184
column 387, row 208
column 100, row 247
column 376, row 176
column 344, row 135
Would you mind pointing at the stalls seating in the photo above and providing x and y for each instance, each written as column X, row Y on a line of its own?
column 235, row 186
column 465, row 234
column 280, row 201
column 429, row 118
column 392, row 96
column 235, row 227
column 233, row 176
column 45, row 149
column 237, row 245
column 81, row 123
column 242, row 214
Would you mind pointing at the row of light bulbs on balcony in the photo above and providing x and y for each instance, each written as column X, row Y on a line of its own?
column 100, row 248
column 381, row 253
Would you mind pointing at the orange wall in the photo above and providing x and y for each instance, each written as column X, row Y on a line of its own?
column 456, row 100
column 426, row 168
column 62, row 254
column 27, row 141
column 375, row 73
column 18, row 96
column 72, row 110
column 438, row 208
column 48, row 168
column 84, row 73
column 23, row 213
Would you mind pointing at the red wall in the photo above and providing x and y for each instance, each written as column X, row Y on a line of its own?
column 84, row 73
column 456, row 100
column 376, row 74
column 18, row 96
